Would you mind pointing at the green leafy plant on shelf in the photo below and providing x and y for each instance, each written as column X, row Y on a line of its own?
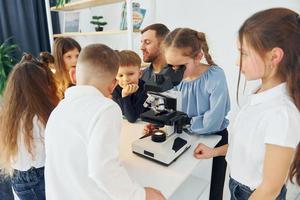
column 7, row 61
column 61, row 3
column 97, row 21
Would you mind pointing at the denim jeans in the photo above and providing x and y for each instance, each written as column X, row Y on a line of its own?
column 30, row 184
column 5, row 188
column 239, row 191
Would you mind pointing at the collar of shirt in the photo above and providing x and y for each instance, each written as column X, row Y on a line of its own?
column 268, row 95
column 81, row 90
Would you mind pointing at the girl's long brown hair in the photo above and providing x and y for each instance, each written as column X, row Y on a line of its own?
column 295, row 167
column 278, row 27
column 191, row 41
column 62, row 46
column 30, row 92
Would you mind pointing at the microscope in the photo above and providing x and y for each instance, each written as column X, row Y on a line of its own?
column 166, row 143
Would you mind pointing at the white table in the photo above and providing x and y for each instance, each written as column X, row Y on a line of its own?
column 186, row 178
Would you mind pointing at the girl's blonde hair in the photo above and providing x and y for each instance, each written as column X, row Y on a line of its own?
column 30, row 92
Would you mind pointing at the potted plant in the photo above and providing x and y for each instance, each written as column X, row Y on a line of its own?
column 97, row 20
column 61, row 3
column 7, row 61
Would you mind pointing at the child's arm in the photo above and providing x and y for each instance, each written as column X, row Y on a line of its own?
column 153, row 194
column 276, row 165
column 133, row 105
column 212, row 119
column 204, row 152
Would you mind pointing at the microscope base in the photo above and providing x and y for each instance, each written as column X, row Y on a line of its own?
column 164, row 153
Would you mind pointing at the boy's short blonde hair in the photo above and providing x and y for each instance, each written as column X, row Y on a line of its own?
column 99, row 58
column 129, row 58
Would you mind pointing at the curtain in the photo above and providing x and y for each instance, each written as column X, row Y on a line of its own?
column 26, row 22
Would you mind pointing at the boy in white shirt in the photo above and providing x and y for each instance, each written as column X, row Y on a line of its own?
column 82, row 137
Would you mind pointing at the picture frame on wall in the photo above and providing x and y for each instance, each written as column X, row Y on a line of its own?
column 71, row 21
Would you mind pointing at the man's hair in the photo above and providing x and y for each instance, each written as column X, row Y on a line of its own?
column 99, row 58
column 161, row 30
column 129, row 58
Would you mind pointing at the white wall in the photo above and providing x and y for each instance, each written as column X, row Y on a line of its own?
column 220, row 20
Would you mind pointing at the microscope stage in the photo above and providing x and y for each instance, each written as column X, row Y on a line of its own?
column 165, row 152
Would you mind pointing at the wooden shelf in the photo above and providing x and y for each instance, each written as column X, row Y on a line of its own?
column 74, row 34
column 84, row 4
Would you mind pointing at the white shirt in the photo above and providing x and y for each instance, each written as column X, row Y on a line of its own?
column 82, row 150
column 24, row 160
column 269, row 117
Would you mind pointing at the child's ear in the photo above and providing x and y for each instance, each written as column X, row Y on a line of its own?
column 276, row 55
column 198, row 57
column 140, row 73
column 112, row 86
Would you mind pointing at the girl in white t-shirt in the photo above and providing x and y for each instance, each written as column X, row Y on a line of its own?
column 266, row 131
column 29, row 98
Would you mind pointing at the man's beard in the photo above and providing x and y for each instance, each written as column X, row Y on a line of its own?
column 150, row 57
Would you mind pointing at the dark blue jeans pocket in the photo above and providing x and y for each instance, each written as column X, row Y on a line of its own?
column 238, row 191
column 5, row 188
column 29, row 185
column 282, row 195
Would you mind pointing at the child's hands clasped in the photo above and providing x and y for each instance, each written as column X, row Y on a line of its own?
column 203, row 152
column 129, row 89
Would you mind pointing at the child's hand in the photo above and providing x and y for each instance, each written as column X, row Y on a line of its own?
column 203, row 152
column 149, row 128
column 153, row 194
column 129, row 89
column 72, row 74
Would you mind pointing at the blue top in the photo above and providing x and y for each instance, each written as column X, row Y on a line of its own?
column 131, row 105
column 206, row 101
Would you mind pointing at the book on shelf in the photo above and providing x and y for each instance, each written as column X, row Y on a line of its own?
column 71, row 22
column 138, row 16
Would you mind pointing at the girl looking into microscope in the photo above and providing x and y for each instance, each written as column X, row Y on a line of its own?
column 205, row 97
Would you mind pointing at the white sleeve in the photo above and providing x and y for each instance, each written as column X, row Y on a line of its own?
column 283, row 128
column 104, row 165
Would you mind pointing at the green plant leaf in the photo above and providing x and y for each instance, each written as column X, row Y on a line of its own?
column 7, row 61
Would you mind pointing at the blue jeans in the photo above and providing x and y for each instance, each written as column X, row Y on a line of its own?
column 30, row 184
column 239, row 191
column 5, row 188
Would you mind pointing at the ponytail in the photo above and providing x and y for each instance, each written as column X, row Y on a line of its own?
column 205, row 49
column 294, row 173
column 191, row 41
